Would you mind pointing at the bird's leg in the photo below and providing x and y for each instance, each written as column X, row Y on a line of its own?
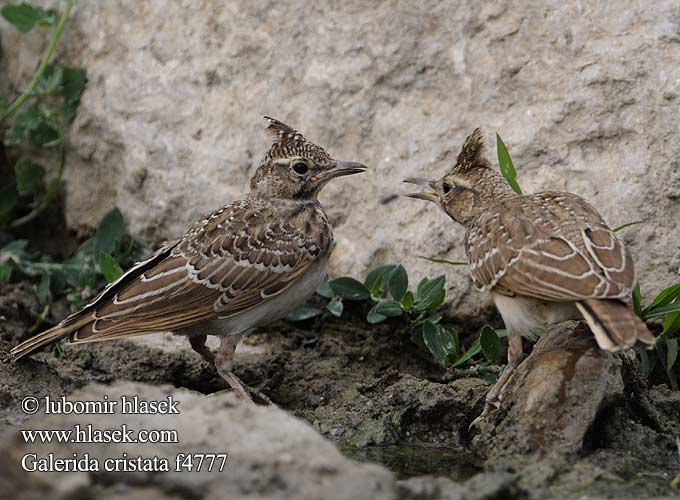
column 198, row 344
column 224, row 361
column 495, row 395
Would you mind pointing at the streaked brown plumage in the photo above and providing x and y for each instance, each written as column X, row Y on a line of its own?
column 246, row 264
column 545, row 257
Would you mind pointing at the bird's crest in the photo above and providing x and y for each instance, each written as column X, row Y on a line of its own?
column 472, row 154
column 288, row 142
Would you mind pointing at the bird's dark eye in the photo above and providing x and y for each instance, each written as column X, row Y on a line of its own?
column 300, row 168
column 447, row 188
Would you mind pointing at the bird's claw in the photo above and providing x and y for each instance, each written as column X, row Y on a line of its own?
column 490, row 405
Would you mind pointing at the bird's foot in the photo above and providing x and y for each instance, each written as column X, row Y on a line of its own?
column 490, row 405
column 244, row 391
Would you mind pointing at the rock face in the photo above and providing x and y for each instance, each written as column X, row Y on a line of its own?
column 585, row 95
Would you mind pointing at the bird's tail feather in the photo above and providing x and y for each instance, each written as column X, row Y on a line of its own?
column 50, row 336
column 614, row 324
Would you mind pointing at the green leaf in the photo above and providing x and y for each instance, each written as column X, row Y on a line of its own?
column 24, row 121
column 72, row 269
column 663, row 310
column 6, row 271
column 374, row 317
column 408, row 300
column 30, row 176
column 648, row 360
column 672, row 354
column 25, row 16
column 490, row 343
column 44, row 288
column 637, row 300
column 671, row 324
column 389, row 308
column 335, row 307
column 507, row 168
column 475, row 349
column 397, row 282
column 13, row 251
column 50, row 81
column 443, row 261
column 668, row 353
column 430, row 294
column 438, row 340
column 74, row 80
column 324, row 290
column 110, row 232
column 624, row 226
column 36, row 126
column 109, row 267
column 665, row 297
column 349, row 288
column 375, row 278
column 303, row 313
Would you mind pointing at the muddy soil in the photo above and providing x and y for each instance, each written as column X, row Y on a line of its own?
column 368, row 388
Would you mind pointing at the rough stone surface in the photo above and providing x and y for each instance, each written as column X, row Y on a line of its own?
column 585, row 95
column 554, row 397
column 272, row 455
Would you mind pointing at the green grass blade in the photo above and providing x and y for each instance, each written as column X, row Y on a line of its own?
column 506, row 165
column 624, row 226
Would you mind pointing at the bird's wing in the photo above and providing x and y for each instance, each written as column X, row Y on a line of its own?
column 235, row 259
column 550, row 246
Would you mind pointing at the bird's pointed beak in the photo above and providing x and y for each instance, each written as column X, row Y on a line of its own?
column 423, row 195
column 342, row 168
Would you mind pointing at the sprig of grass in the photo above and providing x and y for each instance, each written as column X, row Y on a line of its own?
column 25, row 17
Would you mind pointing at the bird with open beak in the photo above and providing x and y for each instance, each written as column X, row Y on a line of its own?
column 545, row 258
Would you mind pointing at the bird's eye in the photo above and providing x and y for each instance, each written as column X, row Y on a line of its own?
column 446, row 187
column 300, row 168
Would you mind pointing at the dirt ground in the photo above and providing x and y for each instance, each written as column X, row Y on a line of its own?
column 368, row 388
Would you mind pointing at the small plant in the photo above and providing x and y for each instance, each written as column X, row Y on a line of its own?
column 39, row 116
column 387, row 289
column 666, row 304
column 97, row 262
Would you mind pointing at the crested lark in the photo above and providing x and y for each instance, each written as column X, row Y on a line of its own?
column 244, row 265
column 545, row 257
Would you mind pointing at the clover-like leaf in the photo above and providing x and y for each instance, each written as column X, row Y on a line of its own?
column 389, row 308
column 375, row 279
column 397, row 282
column 109, row 267
column 324, row 289
column 303, row 313
column 374, row 317
column 73, row 84
column 25, row 16
column 439, row 341
column 430, row 294
column 335, row 307
column 349, row 288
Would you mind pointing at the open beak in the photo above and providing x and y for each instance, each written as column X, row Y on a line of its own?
column 342, row 168
column 430, row 195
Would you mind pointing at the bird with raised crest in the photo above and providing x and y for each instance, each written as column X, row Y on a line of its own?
column 545, row 258
column 244, row 265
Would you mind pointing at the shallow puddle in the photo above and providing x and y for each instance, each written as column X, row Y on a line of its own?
column 417, row 460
